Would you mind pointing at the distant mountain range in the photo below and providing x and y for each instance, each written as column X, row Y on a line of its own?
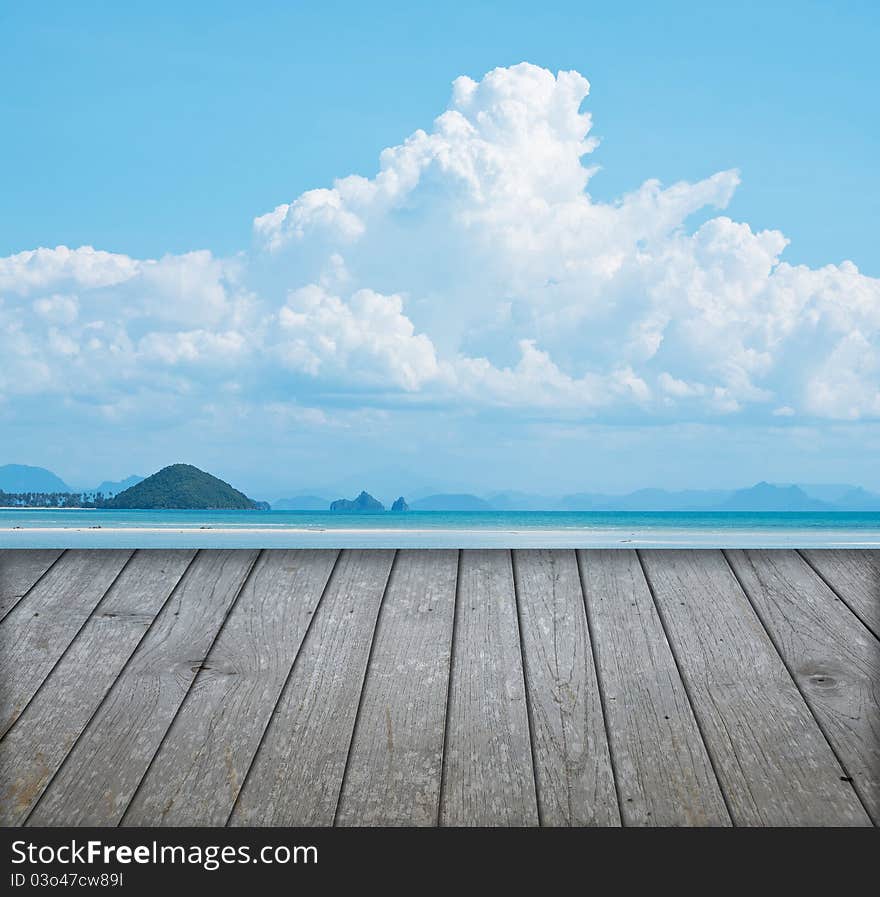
column 23, row 478
column 111, row 487
column 760, row 497
column 302, row 503
column 647, row 500
column 18, row 479
column 766, row 497
column 451, row 502
column 859, row 499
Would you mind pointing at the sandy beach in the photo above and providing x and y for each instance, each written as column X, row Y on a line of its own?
column 281, row 536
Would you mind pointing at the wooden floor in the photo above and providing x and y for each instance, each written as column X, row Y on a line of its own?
column 439, row 687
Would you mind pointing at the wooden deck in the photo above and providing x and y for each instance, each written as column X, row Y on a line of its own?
column 373, row 687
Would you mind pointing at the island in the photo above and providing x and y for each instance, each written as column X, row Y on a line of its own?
column 400, row 505
column 363, row 504
column 182, row 486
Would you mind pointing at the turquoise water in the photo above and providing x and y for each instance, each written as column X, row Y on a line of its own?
column 28, row 528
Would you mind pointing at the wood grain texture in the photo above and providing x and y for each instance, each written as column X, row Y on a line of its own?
column 35, row 747
column 297, row 773
column 35, row 634
column 855, row 576
column 395, row 762
column 664, row 774
column 20, row 568
column 144, row 687
column 100, row 774
column 832, row 656
column 571, row 756
column 196, row 775
column 773, row 762
column 488, row 775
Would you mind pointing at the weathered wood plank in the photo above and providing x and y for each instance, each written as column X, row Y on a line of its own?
column 488, row 774
column 571, row 756
column 35, row 747
column 664, row 774
column 98, row 779
column 832, row 656
column 395, row 762
column 855, row 576
column 100, row 689
column 36, row 633
column 197, row 773
column 774, row 764
column 297, row 773
column 20, row 568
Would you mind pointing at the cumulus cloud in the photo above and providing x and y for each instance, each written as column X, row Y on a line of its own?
column 324, row 336
column 846, row 385
column 39, row 269
column 474, row 269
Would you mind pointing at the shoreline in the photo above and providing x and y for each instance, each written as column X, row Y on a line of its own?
column 45, row 508
column 60, row 537
column 280, row 528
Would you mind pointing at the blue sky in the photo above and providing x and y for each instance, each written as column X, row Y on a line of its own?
column 124, row 119
column 149, row 132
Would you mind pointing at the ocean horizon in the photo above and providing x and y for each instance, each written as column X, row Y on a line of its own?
column 85, row 528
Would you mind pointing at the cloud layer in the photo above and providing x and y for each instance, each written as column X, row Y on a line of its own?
column 473, row 271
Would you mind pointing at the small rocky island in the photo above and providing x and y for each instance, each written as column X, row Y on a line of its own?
column 363, row 504
column 400, row 505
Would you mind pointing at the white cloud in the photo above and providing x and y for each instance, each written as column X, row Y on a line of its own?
column 193, row 346
column 846, row 385
column 536, row 381
column 57, row 308
column 679, row 389
column 324, row 336
column 40, row 269
column 474, row 270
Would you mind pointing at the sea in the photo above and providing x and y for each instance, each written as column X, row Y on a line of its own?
column 55, row 528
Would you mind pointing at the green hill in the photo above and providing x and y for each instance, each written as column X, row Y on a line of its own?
column 183, row 486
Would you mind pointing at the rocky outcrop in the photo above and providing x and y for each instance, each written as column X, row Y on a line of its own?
column 363, row 504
